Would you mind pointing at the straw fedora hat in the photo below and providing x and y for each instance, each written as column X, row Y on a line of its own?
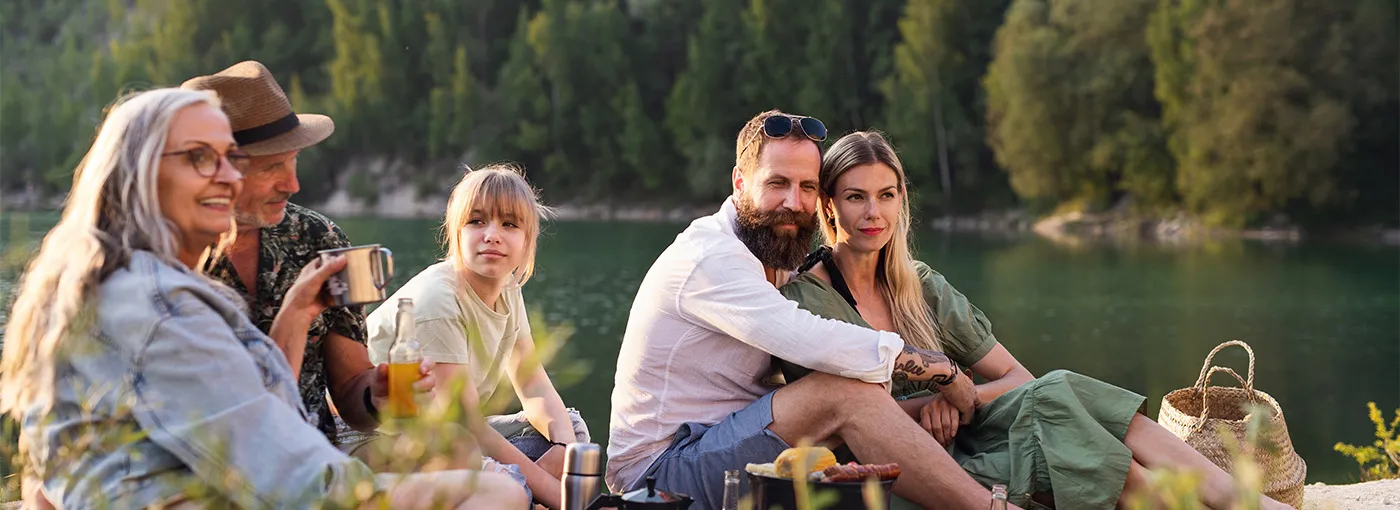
column 261, row 116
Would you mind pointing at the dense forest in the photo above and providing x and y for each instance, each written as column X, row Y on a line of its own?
column 1236, row 111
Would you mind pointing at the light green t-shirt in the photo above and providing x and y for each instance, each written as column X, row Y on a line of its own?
column 453, row 325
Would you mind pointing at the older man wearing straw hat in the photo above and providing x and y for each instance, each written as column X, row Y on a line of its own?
column 276, row 238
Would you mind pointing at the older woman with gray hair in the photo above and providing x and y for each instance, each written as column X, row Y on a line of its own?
column 139, row 382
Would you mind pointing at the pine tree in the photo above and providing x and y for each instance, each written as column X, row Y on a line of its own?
column 935, row 102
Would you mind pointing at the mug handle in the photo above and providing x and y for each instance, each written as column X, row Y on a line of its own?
column 386, row 260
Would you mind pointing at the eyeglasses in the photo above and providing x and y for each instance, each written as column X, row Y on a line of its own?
column 205, row 159
column 779, row 126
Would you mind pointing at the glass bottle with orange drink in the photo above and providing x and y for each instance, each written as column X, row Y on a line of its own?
column 404, row 360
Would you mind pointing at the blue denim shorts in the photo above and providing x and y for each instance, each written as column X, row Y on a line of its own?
column 516, row 428
column 695, row 462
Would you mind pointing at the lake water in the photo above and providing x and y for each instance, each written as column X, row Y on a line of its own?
column 1324, row 320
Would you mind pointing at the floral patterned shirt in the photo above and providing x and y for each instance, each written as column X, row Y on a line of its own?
column 284, row 249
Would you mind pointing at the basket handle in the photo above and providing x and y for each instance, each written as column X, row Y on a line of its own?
column 1205, row 402
column 1205, row 368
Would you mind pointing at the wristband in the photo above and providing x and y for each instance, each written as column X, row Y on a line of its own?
column 956, row 371
column 556, row 443
column 369, row 405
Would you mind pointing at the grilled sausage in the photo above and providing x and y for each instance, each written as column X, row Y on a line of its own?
column 856, row 472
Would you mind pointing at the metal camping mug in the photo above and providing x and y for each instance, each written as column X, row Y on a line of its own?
column 367, row 272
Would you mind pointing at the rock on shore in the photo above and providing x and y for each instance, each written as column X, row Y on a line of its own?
column 1369, row 495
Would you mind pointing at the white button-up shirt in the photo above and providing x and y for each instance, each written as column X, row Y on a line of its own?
column 699, row 342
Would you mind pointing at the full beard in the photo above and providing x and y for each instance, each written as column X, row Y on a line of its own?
column 774, row 249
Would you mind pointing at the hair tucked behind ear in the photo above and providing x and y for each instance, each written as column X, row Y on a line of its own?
column 112, row 210
column 899, row 280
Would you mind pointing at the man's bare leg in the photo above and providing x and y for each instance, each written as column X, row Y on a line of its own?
column 822, row 406
column 1156, row 447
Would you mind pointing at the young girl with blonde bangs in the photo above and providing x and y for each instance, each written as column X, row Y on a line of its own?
column 470, row 319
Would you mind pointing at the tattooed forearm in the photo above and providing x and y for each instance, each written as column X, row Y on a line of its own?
column 928, row 357
column 909, row 368
column 942, row 379
column 924, row 365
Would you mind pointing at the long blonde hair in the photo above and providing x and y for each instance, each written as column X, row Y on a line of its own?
column 498, row 190
column 112, row 210
column 897, row 278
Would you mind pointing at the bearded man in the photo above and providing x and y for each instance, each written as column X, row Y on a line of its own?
column 691, row 398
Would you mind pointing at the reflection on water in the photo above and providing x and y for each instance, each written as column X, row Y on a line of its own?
column 1324, row 320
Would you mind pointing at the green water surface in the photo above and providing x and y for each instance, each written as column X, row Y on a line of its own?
column 1324, row 319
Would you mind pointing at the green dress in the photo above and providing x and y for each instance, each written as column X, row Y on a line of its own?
column 1061, row 433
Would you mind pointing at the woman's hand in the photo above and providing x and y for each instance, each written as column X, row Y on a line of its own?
column 305, row 298
column 962, row 394
column 940, row 419
column 300, row 306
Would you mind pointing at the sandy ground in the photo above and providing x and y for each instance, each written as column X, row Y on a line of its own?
column 1379, row 494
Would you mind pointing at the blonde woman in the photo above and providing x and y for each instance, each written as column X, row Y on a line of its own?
column 139, row 382
column 470, row 319
column 1062, row 437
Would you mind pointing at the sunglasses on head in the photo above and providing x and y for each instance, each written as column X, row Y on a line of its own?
column 778, row 126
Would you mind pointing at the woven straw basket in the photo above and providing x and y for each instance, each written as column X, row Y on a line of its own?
column 1198, row 414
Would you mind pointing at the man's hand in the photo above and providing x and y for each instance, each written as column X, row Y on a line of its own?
column 940, row 419
column 305, row 298
column 553, row 461
column 962, row 394
column 379, row 384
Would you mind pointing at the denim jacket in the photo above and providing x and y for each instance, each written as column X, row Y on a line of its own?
column 168, row 391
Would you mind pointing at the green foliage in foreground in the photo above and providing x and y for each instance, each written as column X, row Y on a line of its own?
column 1380, row 460
column 439, row 438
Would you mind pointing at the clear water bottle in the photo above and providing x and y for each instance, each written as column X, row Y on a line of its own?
column 731, row 490
column 998, row 497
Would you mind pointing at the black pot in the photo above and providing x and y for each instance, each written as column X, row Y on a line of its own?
column 768, row 492
column 644, row 499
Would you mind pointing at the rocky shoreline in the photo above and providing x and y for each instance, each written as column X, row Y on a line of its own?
column 1180, row 228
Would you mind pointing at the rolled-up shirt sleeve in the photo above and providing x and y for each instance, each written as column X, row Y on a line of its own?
column 202, row 397
column 728, row 293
